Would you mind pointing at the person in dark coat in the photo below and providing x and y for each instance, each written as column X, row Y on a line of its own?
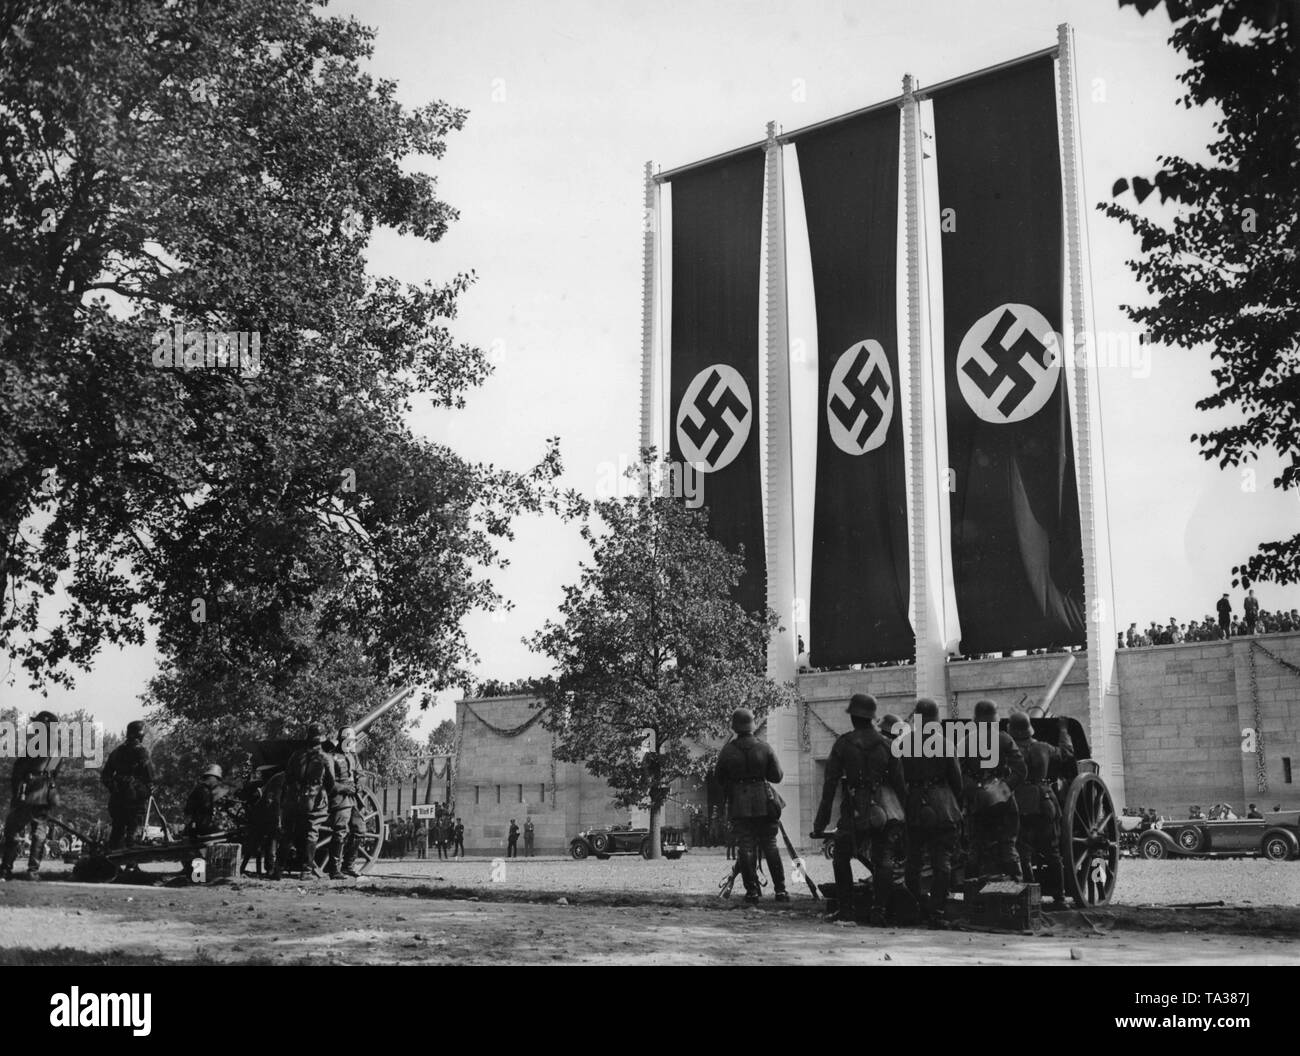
column 33, row 794
column 744, row 767
column 990, row 801
column 309, row 780
column 346, row 824
column 512, row 840
column 459, row 833
column 872, row 788
column 1224, row 609
column 128, row 776
column 934, row 789
column 1040, row 812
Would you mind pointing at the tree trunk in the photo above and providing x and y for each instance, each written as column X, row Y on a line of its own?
column 656, row 813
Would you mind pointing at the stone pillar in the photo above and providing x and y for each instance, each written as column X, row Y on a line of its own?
column 923, row 459
column 782, row 725
column 1103, row 685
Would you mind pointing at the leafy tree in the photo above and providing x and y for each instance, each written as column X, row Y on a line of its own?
column 442, row 736
column 208, row 710
column 1223, row 272
column 219, row 168
column 652, row 654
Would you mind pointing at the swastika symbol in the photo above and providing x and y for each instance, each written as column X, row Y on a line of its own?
column 713, row 421
column 863, row 393
column 714, row 418
column 1007, row 363
column 1006, row 378
column 860, row 398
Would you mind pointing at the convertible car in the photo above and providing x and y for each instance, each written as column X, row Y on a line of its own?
column 1275, row 836
column 604, row 840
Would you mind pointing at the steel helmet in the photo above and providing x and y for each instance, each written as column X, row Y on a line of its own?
column 863, row 705
column 213, row 770
column 1019, row 726
column 927, row 709
column 315, row 733
column 742, row 720
column 135, row 730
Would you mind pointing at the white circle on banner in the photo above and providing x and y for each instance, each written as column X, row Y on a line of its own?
column 860, row 398
column 1008, row 364
column 713, row 418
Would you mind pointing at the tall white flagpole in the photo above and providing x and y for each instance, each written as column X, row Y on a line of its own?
column 649, row 307
column 783, row 724
column 924, row 460
column 1103, row 683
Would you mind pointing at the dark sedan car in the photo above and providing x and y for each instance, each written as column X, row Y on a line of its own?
column 605, row 840
column 1275, row 836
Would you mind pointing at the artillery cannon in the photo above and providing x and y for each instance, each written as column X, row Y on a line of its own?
column 256, row 814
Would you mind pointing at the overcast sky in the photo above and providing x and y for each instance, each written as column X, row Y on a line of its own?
column 567, row 102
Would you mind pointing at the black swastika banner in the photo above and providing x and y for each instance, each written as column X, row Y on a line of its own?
column 860, row 583
column 1016, row 550
column 717, row 223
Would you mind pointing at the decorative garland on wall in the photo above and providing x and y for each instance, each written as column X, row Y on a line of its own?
column 512, row 731
column 1261, row 771
column 1277, row 659
column 824, row 724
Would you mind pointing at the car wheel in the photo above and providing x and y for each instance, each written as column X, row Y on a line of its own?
column 1190, row 839
column 645, row 847
column 828, row 848
column 579, row 850
column 602, row 857
column 600, row 843
column 1151, row 847
column 1276, row 848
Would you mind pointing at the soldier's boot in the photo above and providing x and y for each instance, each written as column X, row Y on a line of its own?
column 1056, row 883
column 309, row 866
column 351, row 847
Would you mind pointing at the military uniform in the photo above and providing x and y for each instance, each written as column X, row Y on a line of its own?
column 1040, row 813
column 33, row 794
column 934, row 789
column 994, row 822
column 309, row 784
column 345, row 813
column 201, row 806
column 128, row 776
column 872, row 789
column 745, row 766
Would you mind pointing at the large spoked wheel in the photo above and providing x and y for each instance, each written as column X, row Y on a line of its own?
column 600, row 843
column 579, row 850
column 369, row 843
column 645, row 847
column 1090, row 841
column 1190, row 839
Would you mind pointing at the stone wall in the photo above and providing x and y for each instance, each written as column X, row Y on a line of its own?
column 1184, row 710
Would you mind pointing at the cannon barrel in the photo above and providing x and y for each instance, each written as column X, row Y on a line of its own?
column 1055, row 687
column 375, row 713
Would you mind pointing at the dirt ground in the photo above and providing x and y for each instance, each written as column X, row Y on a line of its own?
column 623, row 911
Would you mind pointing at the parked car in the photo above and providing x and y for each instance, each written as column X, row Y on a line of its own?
column 1275, row 836
column 605, row 840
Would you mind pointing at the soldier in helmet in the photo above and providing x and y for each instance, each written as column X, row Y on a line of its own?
column 309, row 781
column 34, row 793
column 745, row 765
column 345, row 812
column 934, row 790
column 128, row 776
column 201, row 804
column 871, row 811
column 1040, row 813
column 991, row 804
